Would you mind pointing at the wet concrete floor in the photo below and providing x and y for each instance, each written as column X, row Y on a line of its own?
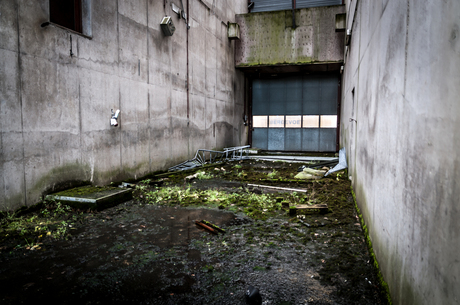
column 148, row 254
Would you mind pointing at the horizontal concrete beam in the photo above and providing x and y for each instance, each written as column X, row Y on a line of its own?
column 269, row 38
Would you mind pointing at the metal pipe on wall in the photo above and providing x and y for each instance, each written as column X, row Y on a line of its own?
column 187, row 76
column 293, row 14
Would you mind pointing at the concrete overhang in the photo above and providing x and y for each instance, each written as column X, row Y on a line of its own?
column 269, row 39
column 292, row 69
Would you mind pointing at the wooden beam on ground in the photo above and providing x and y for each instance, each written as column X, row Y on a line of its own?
column 278, row 188
column 321, row 207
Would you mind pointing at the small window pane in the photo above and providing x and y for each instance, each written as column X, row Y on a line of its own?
column 293, row 121
column 259, row 121
column 328, row 121
column 311, row 121
column 276, row 121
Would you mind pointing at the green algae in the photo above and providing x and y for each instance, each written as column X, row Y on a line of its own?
column 263, row 245
column 85, row 191
column 382, row 282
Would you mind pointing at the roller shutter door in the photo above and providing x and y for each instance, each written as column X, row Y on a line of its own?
column 280, row 5
column 295, row 113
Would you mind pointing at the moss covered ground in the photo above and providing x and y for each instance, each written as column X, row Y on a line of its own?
column 149, row 250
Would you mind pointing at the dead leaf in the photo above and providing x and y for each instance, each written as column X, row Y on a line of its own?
column 28, row 285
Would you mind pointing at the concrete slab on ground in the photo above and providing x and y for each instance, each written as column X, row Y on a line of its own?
column 92, row 197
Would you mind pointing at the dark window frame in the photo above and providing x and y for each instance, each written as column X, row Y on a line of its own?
column 67, row 14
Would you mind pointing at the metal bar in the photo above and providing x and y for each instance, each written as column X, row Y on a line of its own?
column 295, row 158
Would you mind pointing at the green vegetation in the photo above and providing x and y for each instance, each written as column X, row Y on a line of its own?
column 257, row 206
column 271, row 243
column 203, row 176
column 85, row 191
column 382, row 282
column 51, row 219
column 273, row 174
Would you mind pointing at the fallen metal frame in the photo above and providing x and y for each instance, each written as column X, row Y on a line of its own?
column 206, row 156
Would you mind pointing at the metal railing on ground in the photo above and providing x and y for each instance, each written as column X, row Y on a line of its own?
column 206, row 156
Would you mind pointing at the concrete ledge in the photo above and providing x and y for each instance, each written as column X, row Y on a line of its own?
column 92, row 197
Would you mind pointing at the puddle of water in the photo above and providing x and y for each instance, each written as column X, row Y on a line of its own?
column 134, row 256
column 153, row 255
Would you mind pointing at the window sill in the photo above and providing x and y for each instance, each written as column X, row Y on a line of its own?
column 49, row 23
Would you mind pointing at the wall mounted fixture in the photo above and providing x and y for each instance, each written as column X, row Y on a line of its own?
column 167, row 26
column 114, row 119
column 233, row 31
column 176, row 9
column 348, row 37
column 340, row 22
column 71, row 53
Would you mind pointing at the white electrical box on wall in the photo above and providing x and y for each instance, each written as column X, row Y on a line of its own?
column 167, row 26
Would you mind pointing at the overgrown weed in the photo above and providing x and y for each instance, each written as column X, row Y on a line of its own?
column 257, row 206
column 273, row 174
column 52, row 220
column 203, row 176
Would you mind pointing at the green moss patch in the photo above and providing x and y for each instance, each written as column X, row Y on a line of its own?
column 92, row 197
column 383, row 284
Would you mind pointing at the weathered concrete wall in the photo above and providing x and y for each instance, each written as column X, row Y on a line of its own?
column 269, row 39
column 402, row 85
column 55, row 109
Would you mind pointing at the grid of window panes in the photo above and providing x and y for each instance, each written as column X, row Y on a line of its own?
column 294, row 121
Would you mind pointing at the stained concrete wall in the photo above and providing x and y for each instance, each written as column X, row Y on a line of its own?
column 269, row 38
column 401, row 84
column 55, row 109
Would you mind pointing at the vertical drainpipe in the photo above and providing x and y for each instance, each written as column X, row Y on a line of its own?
column 250, row 124
column 339, row 107
column 187, row 77
column 293, row 13
column 245, row 107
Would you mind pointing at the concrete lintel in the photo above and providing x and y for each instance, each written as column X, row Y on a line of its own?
column 304, row 68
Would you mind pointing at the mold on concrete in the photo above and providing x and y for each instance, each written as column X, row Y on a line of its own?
column 55, row 108
column 149, row 250
column 401, row 88
column 268, row 38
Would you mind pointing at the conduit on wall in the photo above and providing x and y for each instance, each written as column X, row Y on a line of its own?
column 187, row 76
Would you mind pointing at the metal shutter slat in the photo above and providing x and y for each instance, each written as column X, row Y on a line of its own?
column 281, row 5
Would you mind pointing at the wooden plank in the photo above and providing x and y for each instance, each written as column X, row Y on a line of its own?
column 206, row 227
column 311, row 207
column 278, row 188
